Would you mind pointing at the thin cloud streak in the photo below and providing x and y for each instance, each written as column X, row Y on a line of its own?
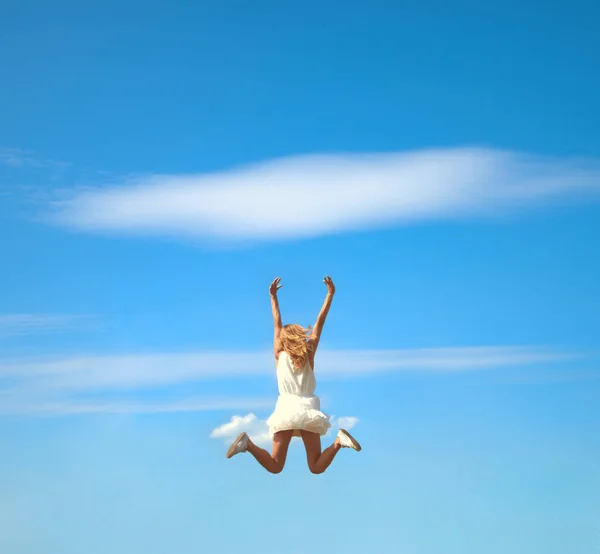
column 153, row 370
column 70, row 406
column 25, row 324
column 446, row 360
column 359, row 191
column 14, row 157
column 60, row 386
column 19, row 158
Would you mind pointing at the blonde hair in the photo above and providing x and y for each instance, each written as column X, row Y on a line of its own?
column 294, row 339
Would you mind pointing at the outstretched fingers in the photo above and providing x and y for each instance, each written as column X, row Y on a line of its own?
column 275, row 286
column 329, row 282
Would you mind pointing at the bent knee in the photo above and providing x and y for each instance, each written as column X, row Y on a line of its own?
column 277, row 468
column 315, row 470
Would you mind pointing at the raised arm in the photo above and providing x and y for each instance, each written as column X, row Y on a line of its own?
column 276, row 315
column 316, row 333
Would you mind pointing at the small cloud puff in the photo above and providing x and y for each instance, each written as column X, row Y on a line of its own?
column 24, row 324
column 347, row 422
column 256, row 428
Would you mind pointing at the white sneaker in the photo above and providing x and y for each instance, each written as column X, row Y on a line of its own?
column 348, row 441
column 240, row 444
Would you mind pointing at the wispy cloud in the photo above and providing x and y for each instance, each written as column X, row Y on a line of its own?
column 69, row 406
column 258, row 430
column 57, row 385
column 24, row 324
column 275, row 200
column 21, row 158
column 14, row 157
column 343, row 363
column 150, row 370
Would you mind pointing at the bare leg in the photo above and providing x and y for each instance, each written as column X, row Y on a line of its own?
column 272, row 463
column 318, row 461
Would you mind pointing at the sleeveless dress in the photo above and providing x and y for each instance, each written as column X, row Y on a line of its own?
column 297, row 406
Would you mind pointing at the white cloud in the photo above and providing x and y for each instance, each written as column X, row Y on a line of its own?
column 258, row 431
column 275, row 200
column 24, row 324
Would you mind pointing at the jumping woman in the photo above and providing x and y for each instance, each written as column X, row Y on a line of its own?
column 298, row 411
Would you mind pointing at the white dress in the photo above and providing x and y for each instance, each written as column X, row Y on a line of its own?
column 297, row 406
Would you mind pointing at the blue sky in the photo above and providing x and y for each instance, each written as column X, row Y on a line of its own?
column 161, row 164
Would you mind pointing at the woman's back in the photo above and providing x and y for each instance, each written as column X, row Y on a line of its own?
column 299, row 382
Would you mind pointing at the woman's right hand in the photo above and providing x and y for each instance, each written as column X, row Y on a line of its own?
column 330, row 286
column 275, row 286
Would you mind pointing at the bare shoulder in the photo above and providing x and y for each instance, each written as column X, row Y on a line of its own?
column 277, row 347
column 313, row 342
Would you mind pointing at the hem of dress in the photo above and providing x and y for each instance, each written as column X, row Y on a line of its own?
column 297, row 431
